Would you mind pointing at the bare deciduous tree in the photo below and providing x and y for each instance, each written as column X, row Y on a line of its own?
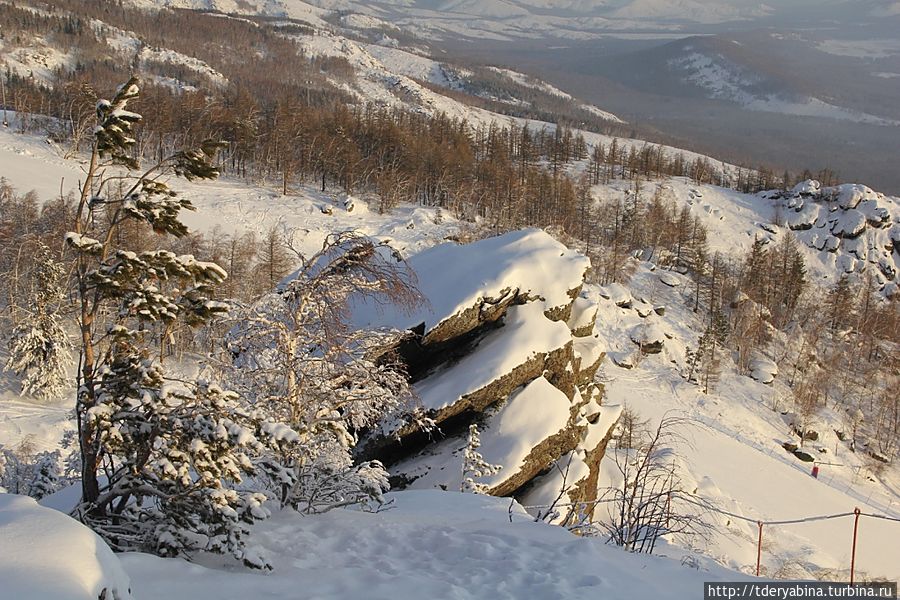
column 645, row 506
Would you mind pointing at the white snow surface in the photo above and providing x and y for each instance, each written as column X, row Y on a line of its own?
column 526, row 332
column 532, row 414
column 429, row 544
column 731, row 456
column 455, row 277
column 596, row 431
column 45, row 554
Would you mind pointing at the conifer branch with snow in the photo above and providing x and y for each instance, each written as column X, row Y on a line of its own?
column 475, row 466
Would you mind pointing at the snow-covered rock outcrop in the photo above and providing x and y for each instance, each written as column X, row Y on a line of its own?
column 46, row 554
column 505, row 340
column 855, row 224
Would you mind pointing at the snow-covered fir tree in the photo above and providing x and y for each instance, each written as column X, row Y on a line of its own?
column 297, row 357
column 179, row 453
column 175, row 454
column 474, row 465
column 24, row 471
column 704, row 364
column 39, row 347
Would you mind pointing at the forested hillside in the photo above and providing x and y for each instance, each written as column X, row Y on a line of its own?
column 255, row 266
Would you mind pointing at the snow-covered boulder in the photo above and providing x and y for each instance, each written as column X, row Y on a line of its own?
column 618, row 293
column 522, row 435
column 649, row 336
column 643, row 309
column 803, row 217
column 876, row 214
column 506, row 342
column 809, row 187
column 589, row 355
column 584, row 316
column 851, row 194
column 852, row 222
column 45, row 555
column 849, row 224
column 470, row 284
column 526, row 346
column 670, row 279
column 354, row 205
column 894, row 237
column 762, row 369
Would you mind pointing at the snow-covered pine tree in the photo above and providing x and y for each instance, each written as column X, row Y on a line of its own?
column 474, row 466
column 172, row 452
column 703, row 364
column 716, row 333
column 39, row 347
column 298, row 358
column 45, row 474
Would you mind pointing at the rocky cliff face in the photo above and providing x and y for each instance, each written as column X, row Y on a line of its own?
column 505, row 341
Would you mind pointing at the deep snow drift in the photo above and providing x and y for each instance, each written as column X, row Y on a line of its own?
column 45, row 554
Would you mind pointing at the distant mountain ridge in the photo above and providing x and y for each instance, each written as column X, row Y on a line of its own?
column 516, row 19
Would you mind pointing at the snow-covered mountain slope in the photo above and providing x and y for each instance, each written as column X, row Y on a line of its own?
column 735, row 462
column 737, row 70
column 817, row 217
column 731, row 454
column 572, row 19
column 723, row 79
column 512, row 19
column 292, row 9
column 385, row 72
column 394, row 76
column 849, row 229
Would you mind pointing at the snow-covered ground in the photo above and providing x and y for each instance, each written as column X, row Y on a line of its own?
column 732, row 455
column 420, row 544
column 45, row 554
column 427, row 544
